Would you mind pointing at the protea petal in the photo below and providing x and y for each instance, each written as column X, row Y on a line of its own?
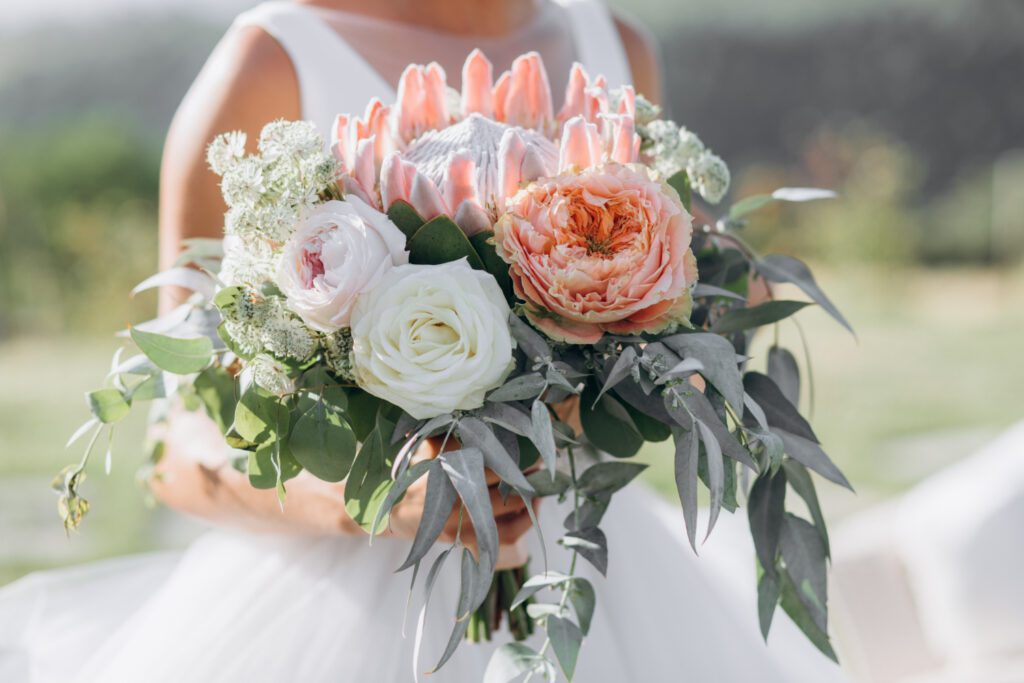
column 365, row 167
column 510, row 163
column 627, row 101
column 528, row 101
column 435, row 103
column 575, row 94
column 460, row 180
column 339, row 140
column 396, row 178
column 501, row 89
column 426, row 198
column 581, row 144
column 477, row 85
column 625, row 147
column 472, row 218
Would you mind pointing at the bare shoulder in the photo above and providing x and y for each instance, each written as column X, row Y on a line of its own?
column 644, row 60
column 247, row 82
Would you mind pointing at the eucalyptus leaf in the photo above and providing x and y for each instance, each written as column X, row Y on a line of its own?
column 810, row 454
column 510, row 661
column 805, row 556
column 782, row 269
column 323, row 442
column 784, row 371
column 544, row 485
column 173, row 354
column 520, row 388
column 216, row 388
column 706, row 291
column 607, row 477
column 766, row 506
column 402, row 483
column 542, row 436
column 506, row 416
column 107, row 405
column 740, row 319
column 778, row 411
column 369, row 480
column 465, row 470
column 716, row 473
column 260, row 416
column 686, row 461
column 649, row 428
column 475, row 433
column 718, row 357
column 620, row 370
column 584, row 600
column 271, row 464
column 428, row 591
column 529, row 340
column 767, row 600
column 592, row 545
column 535, row 584
column 800, row 480
column 607, row 424
column 697, row 405
column 566, row 639
column 797, row 611
column 187, row 278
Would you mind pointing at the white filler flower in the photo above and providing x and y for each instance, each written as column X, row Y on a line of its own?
column 432, row 339
column 339, row 251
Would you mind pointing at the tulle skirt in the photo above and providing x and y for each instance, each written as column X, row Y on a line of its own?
column 253, row 608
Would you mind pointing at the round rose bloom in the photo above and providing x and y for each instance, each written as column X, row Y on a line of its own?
column 339, row 251
column 603, row 250
column 432, row 339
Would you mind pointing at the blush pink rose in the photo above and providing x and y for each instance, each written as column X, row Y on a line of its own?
column 603, row 250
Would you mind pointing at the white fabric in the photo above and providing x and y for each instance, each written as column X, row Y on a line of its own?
column 246, row 608
column 949, row 559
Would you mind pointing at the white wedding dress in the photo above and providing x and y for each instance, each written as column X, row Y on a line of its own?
column 254, row 608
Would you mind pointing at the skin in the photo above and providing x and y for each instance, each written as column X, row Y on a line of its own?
column 246, row 83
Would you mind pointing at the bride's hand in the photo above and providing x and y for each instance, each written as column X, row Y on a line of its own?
column 510, row 515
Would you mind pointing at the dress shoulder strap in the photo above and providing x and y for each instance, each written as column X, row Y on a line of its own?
column 598, row 45
column 333, row 77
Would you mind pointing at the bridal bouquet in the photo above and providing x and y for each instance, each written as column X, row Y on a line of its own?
column 529, row 287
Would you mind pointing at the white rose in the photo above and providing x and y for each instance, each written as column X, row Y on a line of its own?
column 432, row 339
column 339, row 251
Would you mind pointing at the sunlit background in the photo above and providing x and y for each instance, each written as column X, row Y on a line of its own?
column 912, row 110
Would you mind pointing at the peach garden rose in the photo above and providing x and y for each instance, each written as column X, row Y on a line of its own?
column 606, row 249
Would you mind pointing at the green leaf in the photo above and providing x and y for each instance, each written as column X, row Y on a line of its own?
column 783, row 194
column 361, row 411
column 108, row 405
column 767, row 600
column 510, row 661
column 262, row 468
column 766, row 506
column 566, row 639
column 173, row 354
column 607, row 424
column 810, row 454
column 402, row 483
column 649, row 428
column 781, row 268
column 440, row 240
column 403, row 215
column 322, row 440
column 800, row 480
column 718, row 357
column 592, row 545
column 584, row 600
column 260, row 416
column 542, row 434
column 784, row 371
column 680, row 182
column 539, row 582
column 778, row 410
column 686, row 465
column 483, row 244
column 749, row 205
column 716, row 473
column 544, row 485
column 797, row 611
column 607, row 477
column 216, row 389
column 740, row 319
column 438, row 504
column 804, row 554
column 370, row 480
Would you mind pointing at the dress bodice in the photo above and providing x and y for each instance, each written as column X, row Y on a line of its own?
column 343, row 60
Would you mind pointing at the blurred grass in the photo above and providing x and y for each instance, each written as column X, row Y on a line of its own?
column 931, row 376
